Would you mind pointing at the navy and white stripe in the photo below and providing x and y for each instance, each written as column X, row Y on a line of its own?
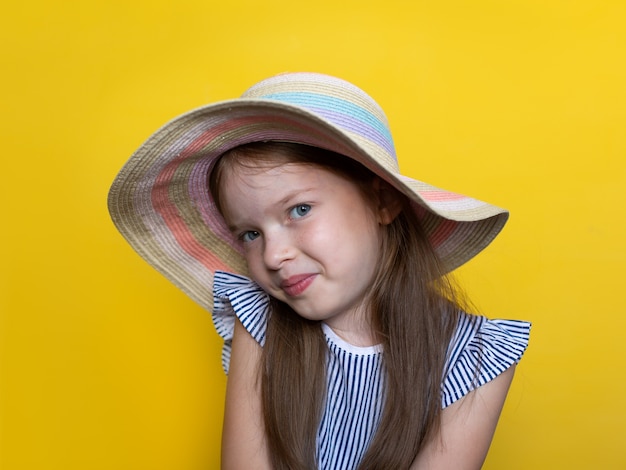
column 480, row 350
column 235, row 295
column 353, row 404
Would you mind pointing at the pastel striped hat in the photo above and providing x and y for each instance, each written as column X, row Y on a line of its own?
column 161, row 204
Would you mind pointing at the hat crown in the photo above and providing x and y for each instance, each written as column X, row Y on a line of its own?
column 334, row 100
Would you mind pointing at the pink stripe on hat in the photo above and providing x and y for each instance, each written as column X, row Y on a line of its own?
column 439, row 195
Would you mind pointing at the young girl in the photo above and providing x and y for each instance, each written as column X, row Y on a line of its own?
column 346, row 345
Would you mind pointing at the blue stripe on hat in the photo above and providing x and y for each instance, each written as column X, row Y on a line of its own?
column 342, row 113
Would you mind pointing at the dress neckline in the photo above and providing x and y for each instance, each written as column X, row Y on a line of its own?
column 341, row 343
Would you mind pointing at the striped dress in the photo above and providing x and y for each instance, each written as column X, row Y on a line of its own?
column 354, row 402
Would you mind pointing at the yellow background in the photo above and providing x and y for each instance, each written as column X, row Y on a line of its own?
column 105, row 365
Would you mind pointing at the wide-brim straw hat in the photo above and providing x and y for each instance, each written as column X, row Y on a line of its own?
column 161, row 204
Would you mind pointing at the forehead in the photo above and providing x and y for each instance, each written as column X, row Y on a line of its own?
column 275, row 176
column 270, row 165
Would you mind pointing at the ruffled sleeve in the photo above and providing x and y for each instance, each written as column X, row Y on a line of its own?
column 481, row 349
column 236, row 296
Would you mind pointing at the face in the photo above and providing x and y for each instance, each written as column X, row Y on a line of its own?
column 311, row 238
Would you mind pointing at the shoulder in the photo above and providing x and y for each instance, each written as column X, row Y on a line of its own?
column 480, row 350
column 236, row 297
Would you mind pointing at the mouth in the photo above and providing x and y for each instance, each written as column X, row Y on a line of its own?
column 296, row 285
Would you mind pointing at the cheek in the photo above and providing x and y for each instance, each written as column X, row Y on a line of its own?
column 322, row 239
column 255, row 264
column 343, row 239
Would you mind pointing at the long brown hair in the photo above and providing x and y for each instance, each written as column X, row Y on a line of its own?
column 414, row 310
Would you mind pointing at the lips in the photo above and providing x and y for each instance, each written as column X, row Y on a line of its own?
column 296, row 285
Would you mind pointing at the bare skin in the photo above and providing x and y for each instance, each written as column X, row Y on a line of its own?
column 467, row 428
column 243, row 433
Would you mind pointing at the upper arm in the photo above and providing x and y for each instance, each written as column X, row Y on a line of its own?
column 467, row 428
column 243, row 433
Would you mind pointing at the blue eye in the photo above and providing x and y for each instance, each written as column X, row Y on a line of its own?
column 249, row 236
column 300, row 211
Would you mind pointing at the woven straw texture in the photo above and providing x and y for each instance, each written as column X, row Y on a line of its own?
column 161, row 204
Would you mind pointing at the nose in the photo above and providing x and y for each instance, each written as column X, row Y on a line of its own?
column 278, row 249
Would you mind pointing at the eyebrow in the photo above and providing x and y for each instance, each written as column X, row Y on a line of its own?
column 281, row 202
column 293, row 195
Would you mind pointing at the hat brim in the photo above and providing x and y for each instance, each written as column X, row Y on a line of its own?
column 161, row 204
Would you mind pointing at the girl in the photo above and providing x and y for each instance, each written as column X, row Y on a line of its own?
column 284, row 213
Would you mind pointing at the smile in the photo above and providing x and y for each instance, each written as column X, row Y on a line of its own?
column 296, row 285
